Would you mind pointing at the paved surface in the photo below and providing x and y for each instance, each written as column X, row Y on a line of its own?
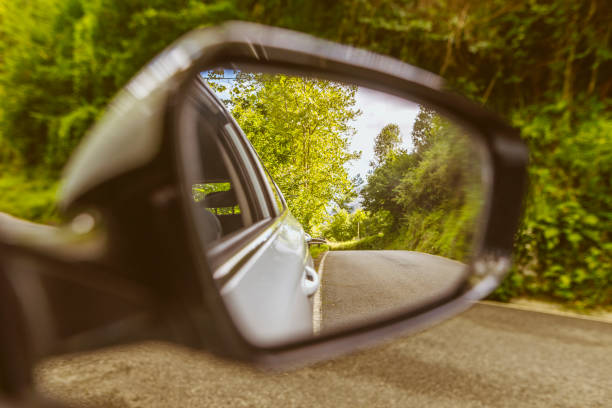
column 361, row 284
column 487, row 357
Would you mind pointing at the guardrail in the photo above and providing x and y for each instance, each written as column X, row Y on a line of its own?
column 317, row 241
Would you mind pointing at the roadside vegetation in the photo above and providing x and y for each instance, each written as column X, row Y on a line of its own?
column 543, row 65
column 427, row 199
column 29, row 198
column 301, row 130
column 317, row 250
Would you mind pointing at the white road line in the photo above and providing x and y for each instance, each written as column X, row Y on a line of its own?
column 317, row 312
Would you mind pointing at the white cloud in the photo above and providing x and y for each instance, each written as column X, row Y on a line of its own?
column 378, row 109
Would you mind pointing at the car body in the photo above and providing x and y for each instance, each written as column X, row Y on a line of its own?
column 268, row 283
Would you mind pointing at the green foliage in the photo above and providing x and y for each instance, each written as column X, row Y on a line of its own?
column 317, row 250
column 345, row 226
column 31, row 199
column 506, row 54
column 201, row 190
column 63, row 60
column 300, row 129
column 445, row 232
column 340, row 227
column 543, row 64
column 379, row 194
column 424, row 130
column 563, row 250
column 436, row 189
column 376, row 241
column 387, row 142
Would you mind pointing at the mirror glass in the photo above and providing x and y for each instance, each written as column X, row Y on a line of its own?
column 322, row 205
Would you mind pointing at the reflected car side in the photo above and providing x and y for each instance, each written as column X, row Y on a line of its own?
column 262, row 265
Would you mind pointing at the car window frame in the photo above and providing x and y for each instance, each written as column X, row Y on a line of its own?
column 278, row 193
column 241, row 159
column 230, row 252
column 241, row 152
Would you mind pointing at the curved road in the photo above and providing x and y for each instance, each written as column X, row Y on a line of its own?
column 361, row 284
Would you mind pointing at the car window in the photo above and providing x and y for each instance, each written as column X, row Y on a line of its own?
column 275, row 201
column 216, row 197
column 267, row 194
column 226, row 189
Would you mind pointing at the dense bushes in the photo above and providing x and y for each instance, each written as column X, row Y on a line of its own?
column 544, row 64
column 62, row 60
column 345, row 226
column 32, row 199
column 564, row 247
column 432, row 193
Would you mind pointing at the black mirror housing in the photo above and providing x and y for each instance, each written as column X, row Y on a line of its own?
column 129, row 169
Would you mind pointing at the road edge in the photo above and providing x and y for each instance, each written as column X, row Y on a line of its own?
column 317, row 312
column 607, row 318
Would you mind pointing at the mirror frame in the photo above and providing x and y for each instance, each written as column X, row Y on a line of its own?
column 131, row 157
column 261, row 48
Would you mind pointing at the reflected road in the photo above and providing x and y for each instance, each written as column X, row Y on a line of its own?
column 359, row 284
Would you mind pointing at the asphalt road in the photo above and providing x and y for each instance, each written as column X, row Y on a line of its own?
column 487, row 357
column 361, row 284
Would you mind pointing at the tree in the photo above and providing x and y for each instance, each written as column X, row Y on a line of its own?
column 445, row 174
column 344, row 226
column 379, row 192
column 300, row 127
column 432, row 195
column 338, row 227
column 542, row 65
column 387, row 141
column 62, row 60
column 423, row 130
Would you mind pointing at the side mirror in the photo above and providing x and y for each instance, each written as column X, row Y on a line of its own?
column 186, row 177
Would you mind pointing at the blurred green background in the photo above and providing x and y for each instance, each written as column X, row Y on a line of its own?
column 544, row 65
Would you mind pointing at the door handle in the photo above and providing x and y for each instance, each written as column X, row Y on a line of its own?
column 311, row 281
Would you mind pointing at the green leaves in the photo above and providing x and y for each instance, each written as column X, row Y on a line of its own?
column 300, row 128
column 433, row 193
column 29, row 199
column 541, row 64
column 61, row 62
column 387, row 142
column 562, row 249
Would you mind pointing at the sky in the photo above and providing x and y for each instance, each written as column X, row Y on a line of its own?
column 378, row 109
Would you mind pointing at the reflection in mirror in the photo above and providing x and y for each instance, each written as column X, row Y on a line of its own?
column 389, row 192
